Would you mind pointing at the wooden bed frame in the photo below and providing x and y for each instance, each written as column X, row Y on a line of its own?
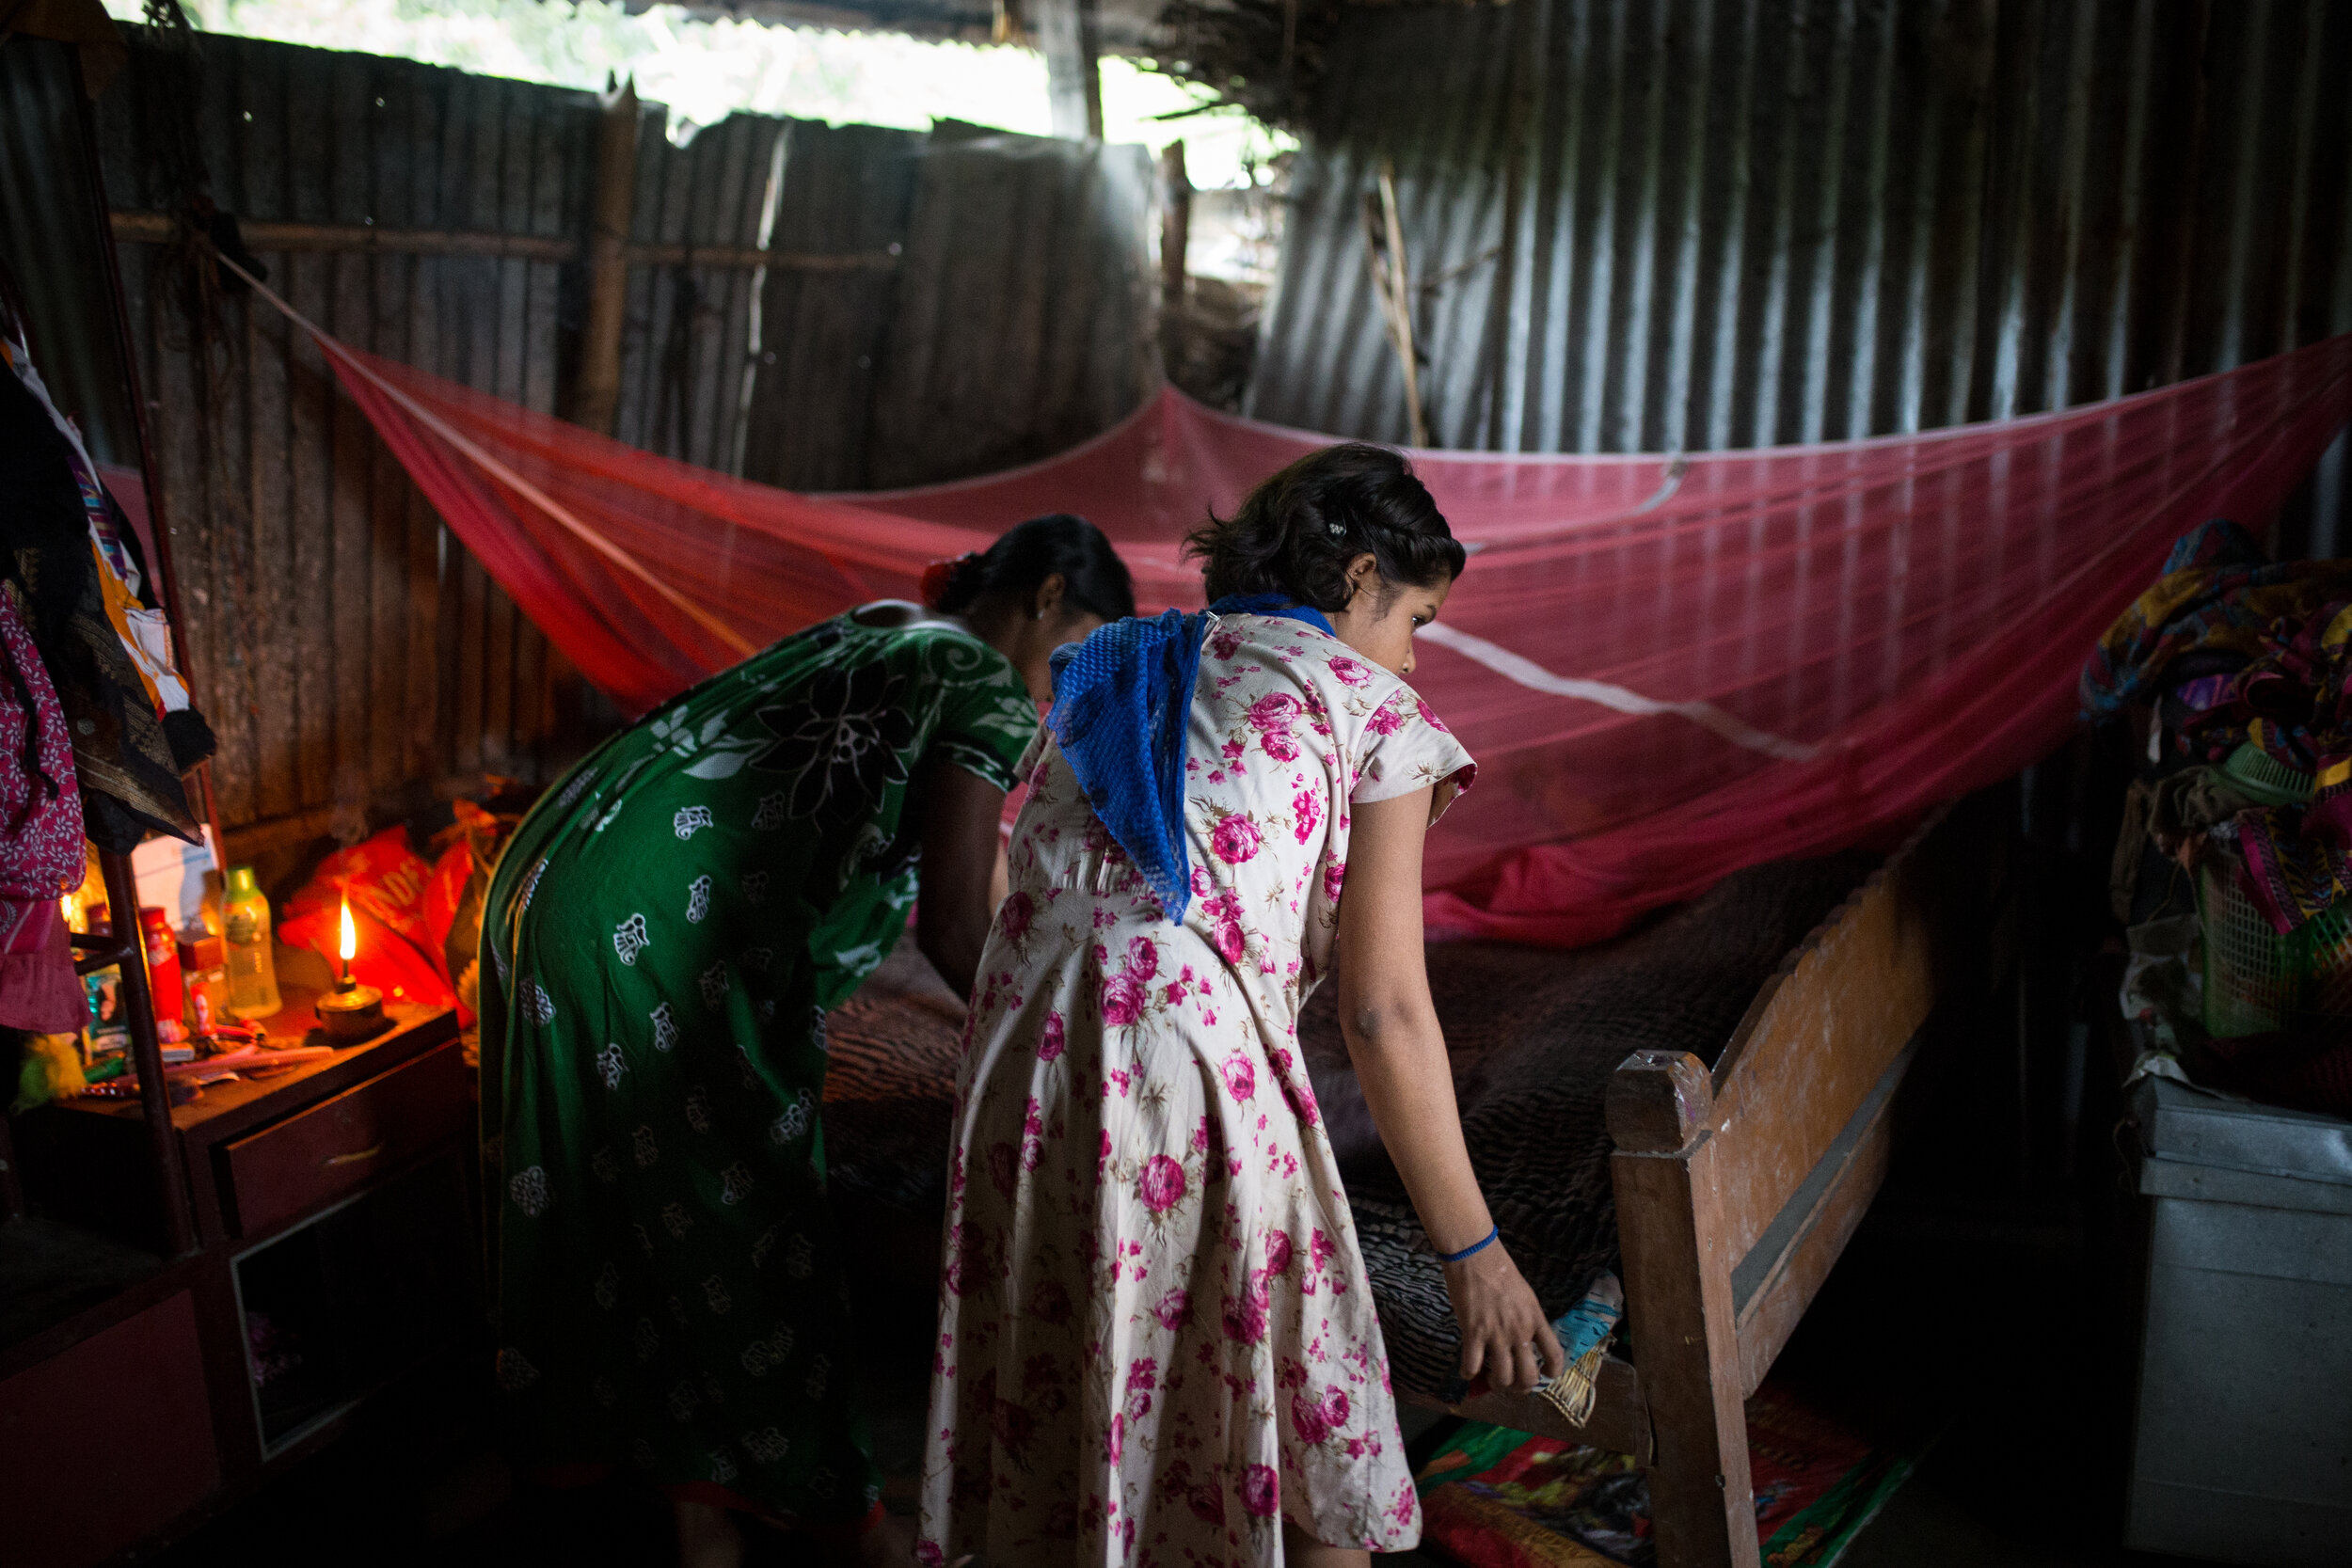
column 1738, row 1189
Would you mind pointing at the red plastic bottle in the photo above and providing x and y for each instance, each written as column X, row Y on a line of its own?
column 163, row 964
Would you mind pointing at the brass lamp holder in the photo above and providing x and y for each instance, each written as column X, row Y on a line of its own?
column 352, row 1012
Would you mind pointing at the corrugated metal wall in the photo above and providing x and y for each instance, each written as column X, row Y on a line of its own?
column 345, row 645
column 342, row 643
column 1684, row 224
column 1025, row 315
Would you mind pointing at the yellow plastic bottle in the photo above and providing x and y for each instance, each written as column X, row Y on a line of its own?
column 253, row 972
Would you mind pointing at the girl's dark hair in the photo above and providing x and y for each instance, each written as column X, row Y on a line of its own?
column 1094, row 577
column 1296, row 532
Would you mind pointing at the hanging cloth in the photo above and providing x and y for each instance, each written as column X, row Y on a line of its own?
column 1122, row 707
column 69, row 552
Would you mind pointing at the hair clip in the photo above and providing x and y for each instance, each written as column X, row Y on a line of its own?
column 1335, row 530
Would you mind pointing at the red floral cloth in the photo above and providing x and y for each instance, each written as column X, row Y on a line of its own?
column 42, row 851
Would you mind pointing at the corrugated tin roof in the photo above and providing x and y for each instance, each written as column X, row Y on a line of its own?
column 1699, row 224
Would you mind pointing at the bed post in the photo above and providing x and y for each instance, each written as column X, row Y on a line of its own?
column 1678, row 1284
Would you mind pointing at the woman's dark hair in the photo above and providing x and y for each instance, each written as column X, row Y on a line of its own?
column 1094, row 577
column 1296, row 532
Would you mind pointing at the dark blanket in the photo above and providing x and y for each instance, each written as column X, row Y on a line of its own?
column 1533, row 1035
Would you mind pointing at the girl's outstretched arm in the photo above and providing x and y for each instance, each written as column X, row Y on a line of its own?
column 1399, row 1052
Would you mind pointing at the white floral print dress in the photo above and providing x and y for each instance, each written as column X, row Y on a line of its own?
column 1156, row 1339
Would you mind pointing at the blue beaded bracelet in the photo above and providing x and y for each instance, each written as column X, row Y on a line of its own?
column 1472, row 1250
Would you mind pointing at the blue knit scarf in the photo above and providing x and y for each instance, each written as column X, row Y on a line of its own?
column 1123, row 702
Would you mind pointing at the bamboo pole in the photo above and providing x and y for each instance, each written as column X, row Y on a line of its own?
column 1384, row 235
column 1067, row 31
column 1175, row 240
column 343, row 239
column 597, row 398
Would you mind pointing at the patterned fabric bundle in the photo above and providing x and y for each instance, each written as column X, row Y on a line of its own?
column 1121, row 699
column 2288, row 628
column 2218, row 594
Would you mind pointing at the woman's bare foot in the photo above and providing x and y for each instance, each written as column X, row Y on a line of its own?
column 707, row 1536
column 1304, row 1551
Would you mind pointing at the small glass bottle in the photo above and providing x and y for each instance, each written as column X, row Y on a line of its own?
column 253, row 972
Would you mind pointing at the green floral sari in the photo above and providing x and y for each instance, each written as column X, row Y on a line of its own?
column 664, row 935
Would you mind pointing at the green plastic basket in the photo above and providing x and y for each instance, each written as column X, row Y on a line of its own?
column 2270, row 782
column 2256, row 981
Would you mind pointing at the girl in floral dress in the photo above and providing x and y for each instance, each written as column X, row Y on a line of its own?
column 1158, row 1343
column 660, row 943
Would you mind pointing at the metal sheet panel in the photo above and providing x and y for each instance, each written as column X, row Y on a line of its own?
column 1690, row 225
column 845, row 191
column 1022, row 321
column 687, row 351
column 49, row 228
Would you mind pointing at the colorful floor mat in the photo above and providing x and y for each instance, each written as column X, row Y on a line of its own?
column 1492, row 1498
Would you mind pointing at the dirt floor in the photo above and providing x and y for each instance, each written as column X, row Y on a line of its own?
column 1985, row 1310
column 2027, row 1408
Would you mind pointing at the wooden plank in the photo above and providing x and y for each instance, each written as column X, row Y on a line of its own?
column 1822, row 1030
column 268, row 648
column 813, row 403
column 1175, row 242
column 305, row 635
column 549, row 192
column 432, row 130
column 308, row 1160
column 664, row 425
column 1678, row 1278
column 351, row 585
column 518, row 169
column 421, row 677
column 713, row 164
column 306, row 631
column 1770, row 1316
column 615, row 198
column 189, row 465
column 633, row 422
column 401, row 170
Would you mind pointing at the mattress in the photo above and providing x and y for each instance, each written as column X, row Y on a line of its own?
column 1533, row 1035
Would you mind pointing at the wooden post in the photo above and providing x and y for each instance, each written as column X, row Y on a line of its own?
column 597, row 399
column 1677, row 1286
column 147, row 1056
column 1175, row 240
column 1067, row 31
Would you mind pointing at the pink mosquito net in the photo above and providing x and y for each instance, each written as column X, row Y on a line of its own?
column 1668, row 669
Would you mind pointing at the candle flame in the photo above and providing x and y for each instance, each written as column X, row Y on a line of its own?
column 350, row 943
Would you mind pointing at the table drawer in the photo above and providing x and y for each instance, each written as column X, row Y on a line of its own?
column 291, row 1167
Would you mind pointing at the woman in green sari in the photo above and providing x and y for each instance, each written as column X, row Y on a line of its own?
column 665, row 933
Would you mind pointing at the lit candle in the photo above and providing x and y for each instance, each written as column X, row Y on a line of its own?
column 350, row 1012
